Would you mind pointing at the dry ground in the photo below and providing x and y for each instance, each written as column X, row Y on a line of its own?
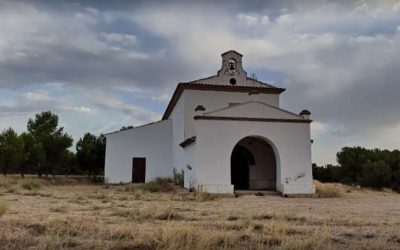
column 74, row 215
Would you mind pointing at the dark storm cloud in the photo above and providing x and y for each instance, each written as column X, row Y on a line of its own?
column 71, row 48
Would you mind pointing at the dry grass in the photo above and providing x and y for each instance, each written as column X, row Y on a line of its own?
column 72, row 214
column 7, row 182
column 3, row 208
column 329, row 190
column 30, row 184
column 163, row 185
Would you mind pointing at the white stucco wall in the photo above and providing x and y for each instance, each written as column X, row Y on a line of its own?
column 215, row 100
column 190, row 169
column 254, row 109
column 151, row 141
column 178, row 134
column 291, row 142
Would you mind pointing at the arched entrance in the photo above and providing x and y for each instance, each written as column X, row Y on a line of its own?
column 253, row 165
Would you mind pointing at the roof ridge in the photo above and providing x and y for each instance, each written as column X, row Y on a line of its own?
column 230, row 86
column 215, row 76
column 249, row 78
column 143, row 125
column 204, row 78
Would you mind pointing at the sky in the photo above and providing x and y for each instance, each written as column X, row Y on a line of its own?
column 101, row 65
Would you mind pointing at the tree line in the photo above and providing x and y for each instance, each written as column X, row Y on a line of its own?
column 44, row 150
column 374, row 168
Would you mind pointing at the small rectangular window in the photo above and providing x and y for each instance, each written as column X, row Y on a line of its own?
column 231, row 104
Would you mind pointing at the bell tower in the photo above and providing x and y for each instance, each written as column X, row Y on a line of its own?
column 232, row 70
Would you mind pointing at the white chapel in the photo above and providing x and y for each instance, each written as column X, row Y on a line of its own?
column 225, row 132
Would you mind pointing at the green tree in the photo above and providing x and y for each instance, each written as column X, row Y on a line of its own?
column 90, row 152
column 69, row 165
column 35, row 154
column 55, row 142
column 375, row 174
column 101, row 153
column 126, row 128
column 328, row 173
column 375, row 168
column 352, row 159
column 12, row 153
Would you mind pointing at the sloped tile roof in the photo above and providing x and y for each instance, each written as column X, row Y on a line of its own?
column 215, row 81
column 209, row 85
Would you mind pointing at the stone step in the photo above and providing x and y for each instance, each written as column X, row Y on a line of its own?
column 257, row 192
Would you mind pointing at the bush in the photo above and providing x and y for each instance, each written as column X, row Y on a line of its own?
column 160, row 184
column 30, row 184
column 3, row 208
column 179, row 178
column 168, row 214
column 151, row 187
column 204, row 196
column 7, row 182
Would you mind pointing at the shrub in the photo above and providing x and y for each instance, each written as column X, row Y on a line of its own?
column 179, row 177
column 7, row 182
column 151, row 187
column 160, row 184
column 165, row 184
column 3, row 208
column 204, row 196
column 168, row 214
column 30, row 184
column 325, row 190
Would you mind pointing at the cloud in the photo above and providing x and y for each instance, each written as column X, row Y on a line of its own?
column 252, row 19
column 118, row 64
column 336, row 59
column 32, row 96
column 43, row 97
column 318, row 129
column 285, row 20
column 68, row 45
column 120, row 38
column 79, row 109
column 137, row 113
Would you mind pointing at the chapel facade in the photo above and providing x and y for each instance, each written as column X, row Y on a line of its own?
column 226, row 132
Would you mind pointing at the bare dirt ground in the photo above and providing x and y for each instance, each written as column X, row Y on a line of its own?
column 73, row 215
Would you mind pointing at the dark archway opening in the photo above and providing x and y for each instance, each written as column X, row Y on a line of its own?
column 241, row 159
column 253, row 165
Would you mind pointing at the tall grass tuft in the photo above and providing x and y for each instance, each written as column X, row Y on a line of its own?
column 178, row 177
column 7, row 182
column 3, row 208
column 328, row 190
column 204, row 196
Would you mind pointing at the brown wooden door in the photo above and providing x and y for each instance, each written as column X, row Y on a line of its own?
column 138, row 170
